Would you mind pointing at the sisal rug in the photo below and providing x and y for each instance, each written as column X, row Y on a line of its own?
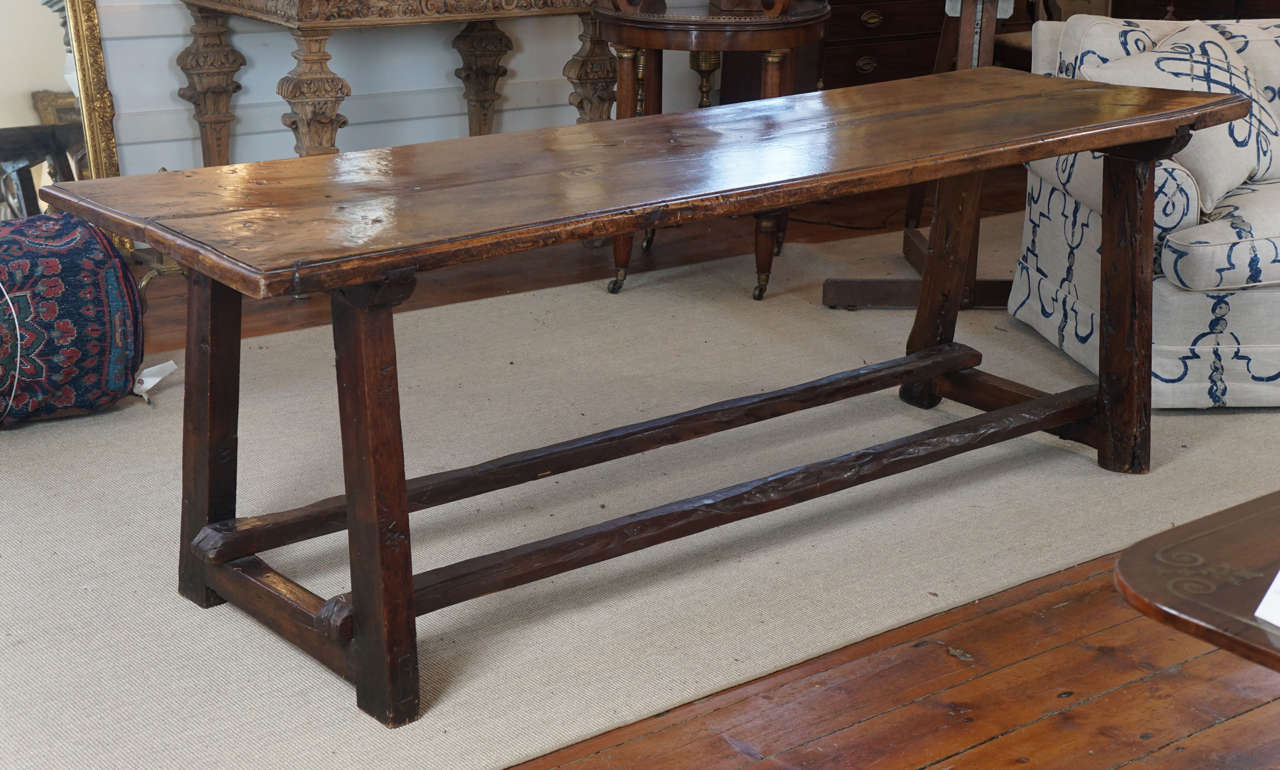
column 103, row 665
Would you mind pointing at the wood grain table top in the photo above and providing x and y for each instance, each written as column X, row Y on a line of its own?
column 316, row 223
column 1207, row 577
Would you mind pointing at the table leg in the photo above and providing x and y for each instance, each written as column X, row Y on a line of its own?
column 384, row 648
column 1124, row 340
column 705, row 63
column 771, row 75
column 947, row 267
column 770, row 226
column 626, row 109
column 482, row 46
column 314, row 93
column 211, row 409
column 592, row 72
column 652, row 96
column 210, row 64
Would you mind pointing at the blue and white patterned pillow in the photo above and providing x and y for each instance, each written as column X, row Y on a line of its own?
column 1257, row 42
column 1198, row 58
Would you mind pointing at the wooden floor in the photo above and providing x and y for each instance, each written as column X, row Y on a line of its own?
column 1058, row 672
column 1055, row 673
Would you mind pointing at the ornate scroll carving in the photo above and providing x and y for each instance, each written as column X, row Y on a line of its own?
column 482, row 47
column 593, row 71
column 1189, row 573
column 210, row 64
column 314, row 93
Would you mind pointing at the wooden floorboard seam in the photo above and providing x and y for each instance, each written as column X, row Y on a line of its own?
column 908, row 642
column 986, row 673
column 1194, row 733
column 1072, row 706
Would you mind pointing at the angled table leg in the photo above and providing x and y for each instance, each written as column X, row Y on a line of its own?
column 211, row 409
column 1124, row 339
column 384, row 649
column 948, row 266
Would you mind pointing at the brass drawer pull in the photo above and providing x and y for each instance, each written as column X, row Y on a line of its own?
column 865, row 64
column 871, row 19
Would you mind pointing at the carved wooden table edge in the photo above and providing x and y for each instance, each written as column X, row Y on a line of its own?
column 368, row 634
column 1205, row 577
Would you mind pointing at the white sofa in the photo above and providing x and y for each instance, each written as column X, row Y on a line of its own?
column 1216, row 297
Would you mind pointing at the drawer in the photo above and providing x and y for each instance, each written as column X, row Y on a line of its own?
column 853, row 64
column 871, row 19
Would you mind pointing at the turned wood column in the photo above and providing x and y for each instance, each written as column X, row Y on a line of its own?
column 384, row 647
column 482, row 46
column 705, row 63
column 210, row 64
column 592, row 72
column 314, row 93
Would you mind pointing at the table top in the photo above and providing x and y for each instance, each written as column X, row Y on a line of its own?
column 1208, row 576
column 346, row 14
column 322, row 222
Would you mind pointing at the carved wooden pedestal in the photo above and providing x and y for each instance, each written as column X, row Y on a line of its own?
column 314, row 92
column 210, row 64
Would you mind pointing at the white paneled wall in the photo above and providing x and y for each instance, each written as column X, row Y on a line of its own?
column 402, row 83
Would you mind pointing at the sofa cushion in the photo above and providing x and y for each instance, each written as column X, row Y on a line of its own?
column 1238, row 247
column 1080, row 175
column 1197, row 58
column 1257, row 42
column 1098, row 39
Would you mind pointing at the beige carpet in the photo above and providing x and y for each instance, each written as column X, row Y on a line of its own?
column 103, row 665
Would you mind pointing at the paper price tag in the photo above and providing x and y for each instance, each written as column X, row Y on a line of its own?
column 150, row 377
column 1269, row 609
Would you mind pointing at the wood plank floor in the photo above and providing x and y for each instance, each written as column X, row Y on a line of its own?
column 1058, row 672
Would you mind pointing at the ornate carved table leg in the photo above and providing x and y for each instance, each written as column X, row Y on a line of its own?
column 592, row 72
column 627, row 96
column 384, row 649
column 210, row 64
column 482, row 47
column 1124, row 336
column 946, row 269
column 314, row 94
column 771, row 227
column 705, row 63
column 211, row 409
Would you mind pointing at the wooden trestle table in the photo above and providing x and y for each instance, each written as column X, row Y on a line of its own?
column 360, row 225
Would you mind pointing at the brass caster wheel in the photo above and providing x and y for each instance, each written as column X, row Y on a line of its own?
column 647, row 243
column 615, row 285
column 762, row 285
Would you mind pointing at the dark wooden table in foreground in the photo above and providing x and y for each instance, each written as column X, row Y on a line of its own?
column 361, row 225
column 1207, row 577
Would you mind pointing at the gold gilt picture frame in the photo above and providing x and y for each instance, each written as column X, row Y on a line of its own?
column 97, row 107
